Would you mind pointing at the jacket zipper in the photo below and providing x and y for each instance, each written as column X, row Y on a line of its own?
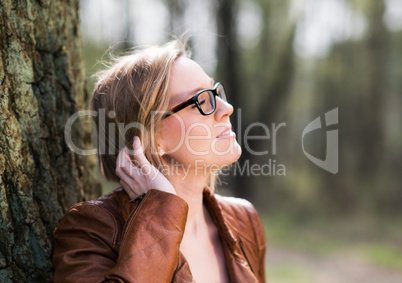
column 245, row 255
column 140, row 198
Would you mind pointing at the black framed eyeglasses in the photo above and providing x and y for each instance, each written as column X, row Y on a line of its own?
column 204, row 100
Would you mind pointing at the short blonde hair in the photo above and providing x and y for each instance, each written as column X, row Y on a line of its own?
column 133, row 93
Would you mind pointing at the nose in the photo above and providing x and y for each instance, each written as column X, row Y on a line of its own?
column 223, row 108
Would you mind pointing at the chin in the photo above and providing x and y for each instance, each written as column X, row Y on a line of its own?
column 226, row 156
column 220, row 155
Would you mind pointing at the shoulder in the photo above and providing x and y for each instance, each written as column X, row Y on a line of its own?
column 243, row 218
column 114, row 203
column 103, row 217
column 237, row 209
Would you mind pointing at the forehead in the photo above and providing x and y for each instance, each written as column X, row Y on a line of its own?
column 186, row 79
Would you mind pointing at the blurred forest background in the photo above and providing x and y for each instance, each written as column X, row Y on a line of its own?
column 291, row 61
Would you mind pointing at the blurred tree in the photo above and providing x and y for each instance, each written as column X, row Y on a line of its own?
column 228, row 70
column 275, row 69
column 275, row 74
column 177, row 9
column 128, row 25
column 337, row 85
column 228, row 49
column 354, row 78
column 42, row 85
column 258, row 80
column 371, row 131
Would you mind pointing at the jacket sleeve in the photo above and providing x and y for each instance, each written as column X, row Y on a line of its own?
column 86, row 242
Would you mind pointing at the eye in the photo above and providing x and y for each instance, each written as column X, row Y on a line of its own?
column 199, row 102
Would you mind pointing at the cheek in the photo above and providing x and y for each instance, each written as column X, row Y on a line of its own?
column 186, row 141
column 180, row 137
column 198, row 138
column 170, row 134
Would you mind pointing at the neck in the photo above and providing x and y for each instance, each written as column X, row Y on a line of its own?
column 190, row 186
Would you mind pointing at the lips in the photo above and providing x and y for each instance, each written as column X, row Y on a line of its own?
column 227, row 131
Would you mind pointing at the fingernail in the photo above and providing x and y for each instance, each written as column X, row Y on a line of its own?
column 137, row 139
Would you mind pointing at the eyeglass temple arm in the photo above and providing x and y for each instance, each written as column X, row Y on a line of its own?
column 179, row 107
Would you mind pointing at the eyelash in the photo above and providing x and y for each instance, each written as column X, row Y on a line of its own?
column 201, row 103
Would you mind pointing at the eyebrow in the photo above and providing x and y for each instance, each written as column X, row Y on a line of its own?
column 194, row 92
column 200, row 89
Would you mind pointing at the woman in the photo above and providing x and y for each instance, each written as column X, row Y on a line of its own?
column 164, row 224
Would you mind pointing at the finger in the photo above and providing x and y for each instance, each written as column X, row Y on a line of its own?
column 129, row 170
column 126, row 188
column 146, row 170
column 139, row 152
column 128, row 179
column 122, row 158
column 124, row 165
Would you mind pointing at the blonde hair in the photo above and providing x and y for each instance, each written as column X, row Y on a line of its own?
column 133, row 93
column 130, row 99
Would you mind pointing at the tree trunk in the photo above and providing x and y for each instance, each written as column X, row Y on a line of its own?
column 274, row 76
column 42, row 84
column 372, row 108
column 176, row 16
column 227, row 68
column 227, row 49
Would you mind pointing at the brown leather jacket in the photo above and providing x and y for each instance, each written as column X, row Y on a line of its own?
column 113, row 239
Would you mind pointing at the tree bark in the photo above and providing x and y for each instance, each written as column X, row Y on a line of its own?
column 42, row 84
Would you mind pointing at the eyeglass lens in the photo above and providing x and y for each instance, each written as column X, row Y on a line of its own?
column 207, row 99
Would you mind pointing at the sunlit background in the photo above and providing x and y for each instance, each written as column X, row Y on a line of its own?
column 286, row 63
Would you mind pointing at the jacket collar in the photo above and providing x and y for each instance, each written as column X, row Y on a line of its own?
column 238, row 266
column 216, row 213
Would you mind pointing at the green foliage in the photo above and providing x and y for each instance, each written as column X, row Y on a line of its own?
column 382, row 254
column 361, row 239
column 288, row 274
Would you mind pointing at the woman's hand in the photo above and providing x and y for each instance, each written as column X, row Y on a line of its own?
column 137, row 180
